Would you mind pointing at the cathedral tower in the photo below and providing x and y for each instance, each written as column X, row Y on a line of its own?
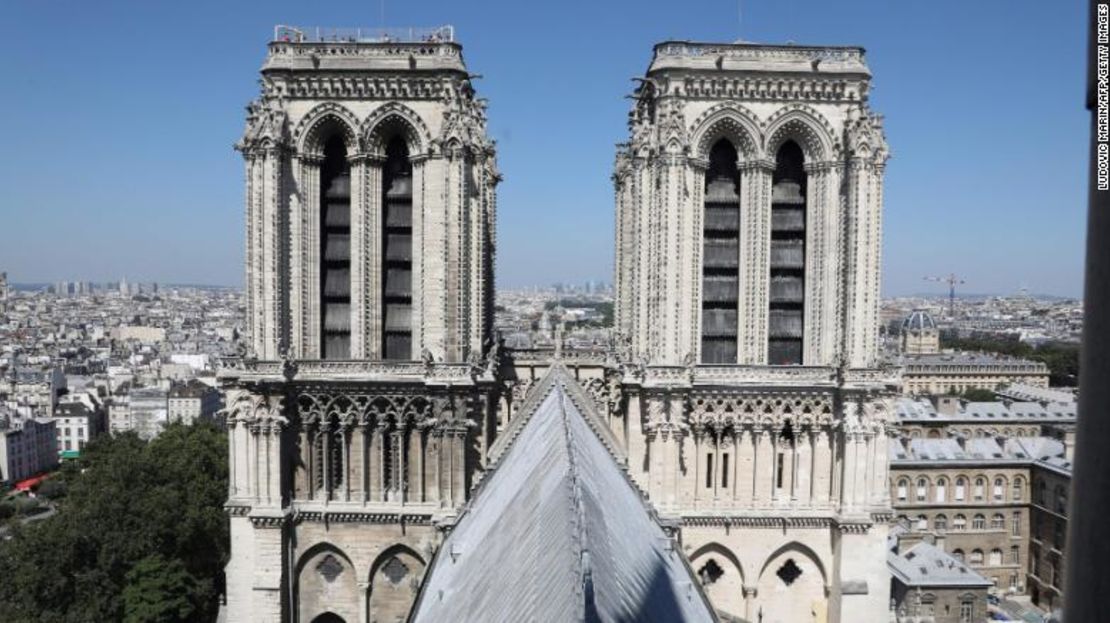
column 749, row 201
column 363, row 410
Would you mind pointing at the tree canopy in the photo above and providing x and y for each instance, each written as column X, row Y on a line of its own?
column 140, row 536
column 1062, row 358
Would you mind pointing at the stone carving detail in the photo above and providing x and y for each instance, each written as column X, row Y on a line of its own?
column 329, row 568
column 266, row 126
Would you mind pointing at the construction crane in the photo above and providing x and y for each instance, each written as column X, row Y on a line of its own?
column 952, row 280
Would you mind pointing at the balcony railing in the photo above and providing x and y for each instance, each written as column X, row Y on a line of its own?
column 293, row 34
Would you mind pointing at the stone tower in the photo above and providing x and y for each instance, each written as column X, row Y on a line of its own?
column 363, row 407
column 749, row 201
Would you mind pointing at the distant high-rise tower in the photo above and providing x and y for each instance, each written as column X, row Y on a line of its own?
column 749, row 203
column 364, row 411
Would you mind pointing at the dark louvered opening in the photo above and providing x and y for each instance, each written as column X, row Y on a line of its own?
column 397, row 252
column 788, row 257
column 720, row 256
column 335, row 251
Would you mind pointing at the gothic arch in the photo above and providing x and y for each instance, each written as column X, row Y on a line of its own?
column 326, row 584
column 732, row 121
column 719, row 550
column 801, row 550
column 389, row 120
column 390, row 552
column 793, row 586
column 320, row 548
column 394, row 580
column 806, row 127
column 721, row 576
column 312, row 129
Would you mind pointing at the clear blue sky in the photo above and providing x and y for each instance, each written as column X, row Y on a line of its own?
column 117, row 121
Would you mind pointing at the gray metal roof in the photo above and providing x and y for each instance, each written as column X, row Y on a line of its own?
column 921, row 409
column 976, row 449
column 925, row 565
column 917, row 320
column 556, row 531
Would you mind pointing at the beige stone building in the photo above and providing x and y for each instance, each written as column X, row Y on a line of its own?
column 931, row 586
column 365, row 411
column 920, row 335
column 752, row 407
column 191, row 401
column 955, row 373
column 1051, row 479
column 746, row 400
column 997, row 504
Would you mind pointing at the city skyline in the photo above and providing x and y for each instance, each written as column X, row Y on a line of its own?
column 974, row 187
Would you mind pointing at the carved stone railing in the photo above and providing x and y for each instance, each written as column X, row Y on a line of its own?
column 739, row 375
column 321, row 370
column 872, row 376
column 765, row 374
column 760, row 52
column 316, row 34
column 548, row 355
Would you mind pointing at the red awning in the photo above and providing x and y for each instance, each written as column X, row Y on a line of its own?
column 27, row 484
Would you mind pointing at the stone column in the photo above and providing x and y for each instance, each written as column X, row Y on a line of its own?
column 695, row 176
column 384, row 467
column 804, row 479
column 750, row 593
column 823, row 467
column 275, row 488
column 745, row 467
column 654, row 470
column 397, row 464
column 764, row 467
column 418, row 250
column 755, row 247
column 776, row 476
column 309, row 318
column 458, row 468
column 699, row 463
column 366, row 262
column 434, row 475
column 358, row 472
column 363, row 601
column 416, row 465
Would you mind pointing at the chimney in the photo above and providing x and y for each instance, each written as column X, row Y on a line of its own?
column 948, row 405
column 1068, row 437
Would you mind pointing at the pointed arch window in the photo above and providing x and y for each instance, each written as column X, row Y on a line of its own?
column 335, row 251
column 788, row 250
column 721, row 256
column 397, row 251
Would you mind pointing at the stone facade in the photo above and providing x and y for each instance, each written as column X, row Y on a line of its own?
column 920, row 335
column 955, row 373
column 361, row 416
column 749, row 202
column 1048, row 534
column 997, row 504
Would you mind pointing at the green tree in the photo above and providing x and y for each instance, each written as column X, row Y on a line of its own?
column 127, row 501
column 1061, row 358
column 158, row 590
column 979, row 395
